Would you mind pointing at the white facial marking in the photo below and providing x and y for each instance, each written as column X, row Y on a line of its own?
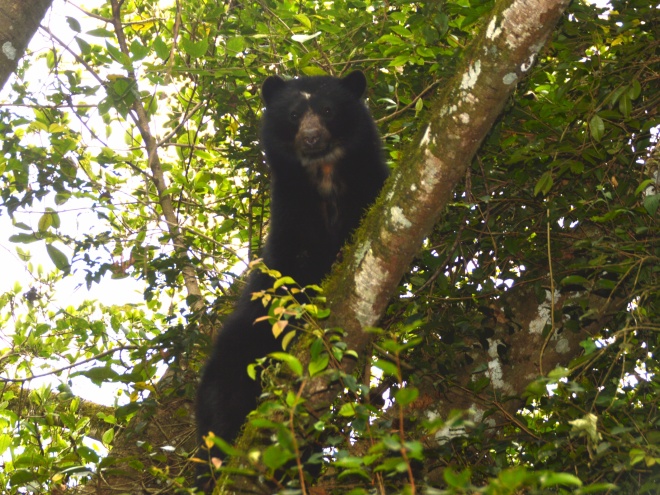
column 307, row 96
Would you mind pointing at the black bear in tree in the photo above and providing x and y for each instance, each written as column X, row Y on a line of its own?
column 326, row 168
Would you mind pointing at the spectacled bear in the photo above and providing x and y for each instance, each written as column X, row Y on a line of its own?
column 326, row 167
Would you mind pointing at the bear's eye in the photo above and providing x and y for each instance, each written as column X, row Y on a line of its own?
column 327, row 111
column 294, row 115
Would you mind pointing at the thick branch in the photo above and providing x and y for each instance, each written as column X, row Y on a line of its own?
column 141, row 119
column 19, row 21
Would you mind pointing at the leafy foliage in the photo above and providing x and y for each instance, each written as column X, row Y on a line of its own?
column 562, row 202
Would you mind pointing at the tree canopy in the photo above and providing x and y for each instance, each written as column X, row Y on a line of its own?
column 517, row 354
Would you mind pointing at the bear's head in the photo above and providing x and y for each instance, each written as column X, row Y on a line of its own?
column 313, row 121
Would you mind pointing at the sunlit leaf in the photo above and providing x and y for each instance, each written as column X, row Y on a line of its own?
column 293, row 362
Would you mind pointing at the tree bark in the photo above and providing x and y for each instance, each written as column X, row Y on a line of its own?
column 19, row 20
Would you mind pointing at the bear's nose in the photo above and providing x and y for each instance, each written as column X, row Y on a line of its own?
column 311, row 137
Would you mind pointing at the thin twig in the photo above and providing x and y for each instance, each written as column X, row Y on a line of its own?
column 60, row 370
column 409, row 105
column 552, row 298
column 75, row 55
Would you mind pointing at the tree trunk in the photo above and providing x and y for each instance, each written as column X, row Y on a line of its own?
column 19, row 20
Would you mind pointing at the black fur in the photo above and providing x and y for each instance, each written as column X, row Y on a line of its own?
column 326, row 168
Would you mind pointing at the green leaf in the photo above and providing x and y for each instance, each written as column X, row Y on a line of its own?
column 576, row 167
column 558, row 373
column 351, row 353
column 312, row 70
column 101, row 33
column 87, row 454
column 552, row 479
column 575, row 280
column 419, row 104
column 283, row 281
column 401, row 31
column 390, row 39
column 634, row 90
column 286, row 340
column 625, row 105
column 45, row 222
column 400, row 60
column 30, row 459
column 24, row 238
column 235, row 45
column 58, row 258
column 275, row 457
column 161, row 49
column 73, row 24
column 644, row 185
column 196, row 49
column 597, row 128
column 61, row 198
column 227, row 448
column 252, row 371
column 589, row 346
column 651, row 203
column 387, row 367
column 349, row 462
column 116, row 54
column 457, row 479
column 513, row 478
column 138, row 50
column 319, row 364
column 55, row 128
column 636, row 455
column 85, row 47
column 609, row 216
column 99, row 374
column 614, row 96
column 304, row 20
column 406, row 396
column 5, row 442
column 544, row 184
column 597, row 488
column 21, row 477
column 293, row 362
column 108, row 437
column 347, row 410
column 537, row 388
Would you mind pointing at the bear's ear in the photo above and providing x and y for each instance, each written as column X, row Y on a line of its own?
column 355, row 82
column 271, row 85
